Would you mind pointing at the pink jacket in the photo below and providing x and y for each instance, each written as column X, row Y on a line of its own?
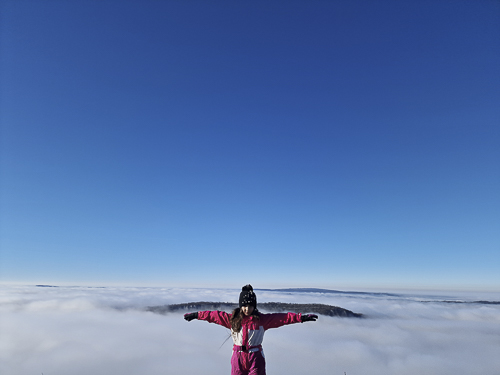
column 252, row 329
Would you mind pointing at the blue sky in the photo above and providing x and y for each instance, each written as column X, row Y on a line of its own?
column 285, row 143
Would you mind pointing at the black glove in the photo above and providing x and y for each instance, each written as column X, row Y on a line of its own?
column 191, row 316
column 309, row 318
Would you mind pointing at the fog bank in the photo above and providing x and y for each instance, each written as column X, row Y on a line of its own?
column 82, row 331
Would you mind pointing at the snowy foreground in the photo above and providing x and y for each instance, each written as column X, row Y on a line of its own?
column 102, row 331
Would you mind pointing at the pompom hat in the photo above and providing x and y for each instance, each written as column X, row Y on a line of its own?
column 247, row 296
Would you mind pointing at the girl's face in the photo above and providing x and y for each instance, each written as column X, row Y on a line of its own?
column 247, row 310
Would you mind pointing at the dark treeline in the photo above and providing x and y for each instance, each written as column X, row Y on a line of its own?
column 308, row 308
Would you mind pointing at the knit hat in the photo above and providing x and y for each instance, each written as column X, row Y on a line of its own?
column 247, row 296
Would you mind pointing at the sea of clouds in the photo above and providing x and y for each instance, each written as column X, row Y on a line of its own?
column 102, row 331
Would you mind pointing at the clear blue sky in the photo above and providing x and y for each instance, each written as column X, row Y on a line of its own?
column 300, row 143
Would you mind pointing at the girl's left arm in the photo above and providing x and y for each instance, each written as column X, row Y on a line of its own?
column 280, row 319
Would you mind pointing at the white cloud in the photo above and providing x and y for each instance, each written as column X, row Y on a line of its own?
column 103, row 331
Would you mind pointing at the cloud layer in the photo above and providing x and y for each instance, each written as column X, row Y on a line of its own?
column 81, row 331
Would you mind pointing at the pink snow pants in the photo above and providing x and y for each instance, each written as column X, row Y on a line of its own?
column 244, row 363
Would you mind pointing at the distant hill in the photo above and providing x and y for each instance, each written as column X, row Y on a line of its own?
column 328, row 291
column 47, row 286
column 308, row 308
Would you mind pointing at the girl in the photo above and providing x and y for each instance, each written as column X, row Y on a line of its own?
column 247, row 327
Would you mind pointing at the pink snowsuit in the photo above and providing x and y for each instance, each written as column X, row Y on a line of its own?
column 248, row 357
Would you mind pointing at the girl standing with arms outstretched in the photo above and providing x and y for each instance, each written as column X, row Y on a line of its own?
column 247, row 327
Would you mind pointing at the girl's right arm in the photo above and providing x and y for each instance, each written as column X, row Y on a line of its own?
column 218, row 317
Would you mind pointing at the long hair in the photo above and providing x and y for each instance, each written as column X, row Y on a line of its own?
column 237, row 316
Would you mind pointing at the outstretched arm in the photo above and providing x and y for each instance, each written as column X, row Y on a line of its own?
column 218, row 317
column 281, row 319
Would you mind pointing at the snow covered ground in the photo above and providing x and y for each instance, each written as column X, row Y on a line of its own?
column 94, row 331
